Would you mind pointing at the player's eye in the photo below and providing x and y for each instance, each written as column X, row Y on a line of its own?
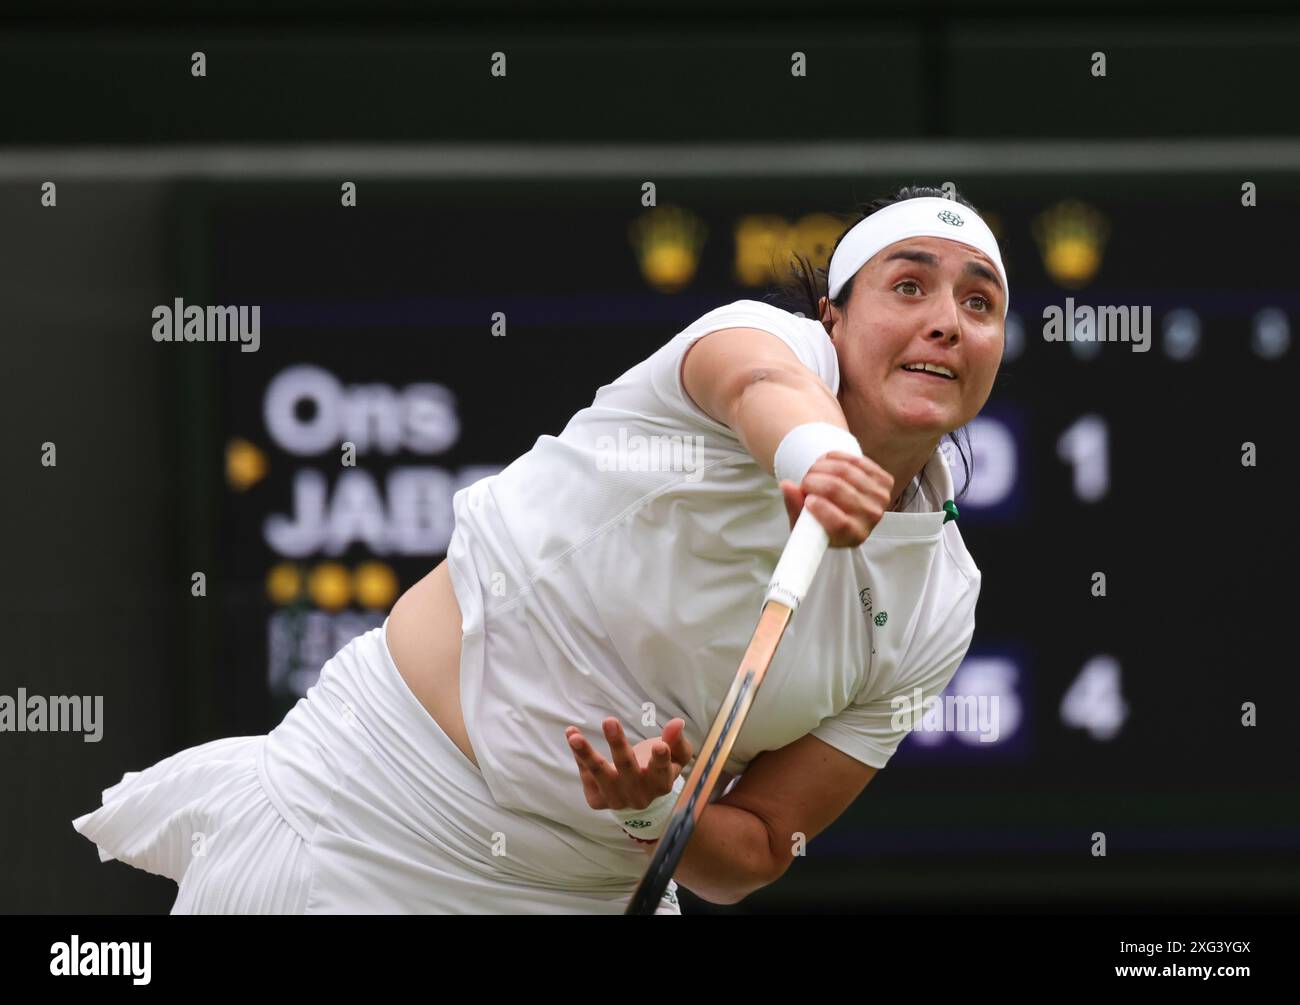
column 988, row 305
column 908, row 282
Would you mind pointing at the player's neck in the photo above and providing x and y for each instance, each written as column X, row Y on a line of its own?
column 902, row 460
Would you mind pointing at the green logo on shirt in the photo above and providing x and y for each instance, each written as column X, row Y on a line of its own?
column 881, row 618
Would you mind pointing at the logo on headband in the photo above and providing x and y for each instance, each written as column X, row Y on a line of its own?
column 951, row 218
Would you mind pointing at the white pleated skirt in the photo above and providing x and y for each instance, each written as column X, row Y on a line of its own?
column 202, row 819
column 357, row 803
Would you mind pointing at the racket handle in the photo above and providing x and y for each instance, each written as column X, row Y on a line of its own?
column 798, row 563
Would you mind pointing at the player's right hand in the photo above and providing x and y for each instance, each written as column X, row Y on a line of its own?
column 847, row 494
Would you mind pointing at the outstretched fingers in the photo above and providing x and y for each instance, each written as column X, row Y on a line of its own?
column 674, row 734
column 659, row 772
column 622, row 752
column 593, row 768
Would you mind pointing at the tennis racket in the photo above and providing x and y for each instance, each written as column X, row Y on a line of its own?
column 785, row 591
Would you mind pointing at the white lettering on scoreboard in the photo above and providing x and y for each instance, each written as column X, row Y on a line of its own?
column 420, row 418
column 408, row 511
column 411, row 516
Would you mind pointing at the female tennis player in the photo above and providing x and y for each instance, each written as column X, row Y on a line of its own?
column 608, row 581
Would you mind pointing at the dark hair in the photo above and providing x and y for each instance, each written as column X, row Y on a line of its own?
column 804, row 285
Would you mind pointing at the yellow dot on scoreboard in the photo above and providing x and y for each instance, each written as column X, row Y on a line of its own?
column 284, row 583
column 330, row 586
column 376, row 585
column 245, row 464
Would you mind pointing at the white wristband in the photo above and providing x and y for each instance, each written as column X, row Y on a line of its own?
column 649, row 823
column 800, row 448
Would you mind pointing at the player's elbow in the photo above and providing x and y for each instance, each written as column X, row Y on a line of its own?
column 738, row 891
column 733, row 892
column 750, row 873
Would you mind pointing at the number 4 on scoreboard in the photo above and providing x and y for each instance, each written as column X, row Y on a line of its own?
column 1094, row 702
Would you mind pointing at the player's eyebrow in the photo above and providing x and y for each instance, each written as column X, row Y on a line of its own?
column 925, row 258
column 984, row 272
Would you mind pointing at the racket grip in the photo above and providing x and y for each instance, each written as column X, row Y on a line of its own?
column 799, row 561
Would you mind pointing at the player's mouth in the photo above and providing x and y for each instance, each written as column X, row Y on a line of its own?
column 934, row 371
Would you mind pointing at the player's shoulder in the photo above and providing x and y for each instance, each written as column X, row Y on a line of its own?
column 806, row 337
column 747, row 311
column 959, row 555
column 961, row 589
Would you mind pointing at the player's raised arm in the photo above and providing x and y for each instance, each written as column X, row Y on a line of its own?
column 792, row 425
column 752, row 382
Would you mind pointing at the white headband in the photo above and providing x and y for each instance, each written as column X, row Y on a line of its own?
column 924, row 217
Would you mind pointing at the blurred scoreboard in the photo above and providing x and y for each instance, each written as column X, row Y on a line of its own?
column 1126, row 543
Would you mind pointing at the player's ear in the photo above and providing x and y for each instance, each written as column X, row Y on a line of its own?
column 826, row 314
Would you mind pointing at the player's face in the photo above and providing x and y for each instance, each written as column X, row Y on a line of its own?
column 921, row 300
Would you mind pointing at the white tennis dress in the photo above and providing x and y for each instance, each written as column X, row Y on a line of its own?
column 615, row 569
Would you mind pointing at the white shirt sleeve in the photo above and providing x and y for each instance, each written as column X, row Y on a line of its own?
column 866, row 730
column 807, row 340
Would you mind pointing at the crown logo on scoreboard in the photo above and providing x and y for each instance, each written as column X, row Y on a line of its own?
column 667, row 241
column 1071, row 237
